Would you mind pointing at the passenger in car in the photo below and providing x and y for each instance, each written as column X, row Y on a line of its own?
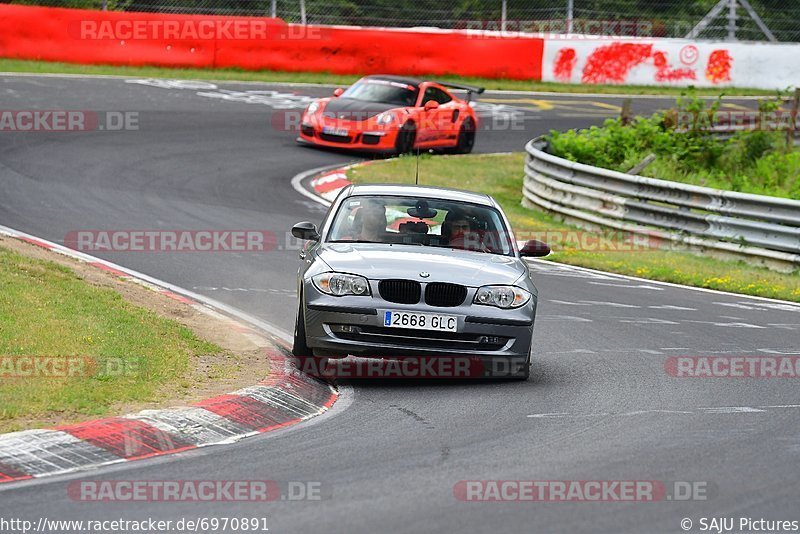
column 455, row 226
column 459, row 230
column 369, row 223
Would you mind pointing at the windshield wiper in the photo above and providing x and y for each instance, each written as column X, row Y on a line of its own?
column 376, row 242
column 469, row 249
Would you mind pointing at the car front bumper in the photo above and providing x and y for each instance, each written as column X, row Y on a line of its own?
column 382, row 141
column 355, row 325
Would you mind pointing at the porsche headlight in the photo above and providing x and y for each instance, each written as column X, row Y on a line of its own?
column 502, row 296
column 339, row 284
column 313, row 107
column 385, row 118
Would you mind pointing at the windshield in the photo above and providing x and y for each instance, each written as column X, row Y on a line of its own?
column 422, row 222
column 384, row 91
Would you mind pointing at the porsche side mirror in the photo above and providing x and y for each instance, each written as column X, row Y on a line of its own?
column 431, row 104
column 534, row 249
column 306, row 231
column 338, row 92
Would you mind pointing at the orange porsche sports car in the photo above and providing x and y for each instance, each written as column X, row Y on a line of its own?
column 392, row 114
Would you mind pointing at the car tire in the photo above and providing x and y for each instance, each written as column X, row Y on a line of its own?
column 406, row 136
column 524, row 373
column 300, row 349
column 466, row 137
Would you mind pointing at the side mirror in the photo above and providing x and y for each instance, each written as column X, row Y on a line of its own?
column 338, row 92
column 306, row 231
column 431, row 104
column 534, row 249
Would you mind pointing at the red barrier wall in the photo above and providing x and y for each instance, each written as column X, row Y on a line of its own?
column 370, row 50
column 53, row 34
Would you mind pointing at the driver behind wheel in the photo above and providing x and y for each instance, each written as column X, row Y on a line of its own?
column 369, row 223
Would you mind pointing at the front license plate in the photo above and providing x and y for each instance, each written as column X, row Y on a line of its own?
column 335, row 131
column 421, row 321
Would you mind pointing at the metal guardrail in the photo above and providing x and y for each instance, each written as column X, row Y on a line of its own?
column 756, row 227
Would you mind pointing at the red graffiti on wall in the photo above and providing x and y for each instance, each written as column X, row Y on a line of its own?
column 565, row 62
column 665, row 73
column 719, row 66
column 613, row 64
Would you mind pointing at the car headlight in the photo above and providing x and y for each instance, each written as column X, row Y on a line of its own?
column 502, row 296
column 313, row 107
column 338, row 284
column 385, row 118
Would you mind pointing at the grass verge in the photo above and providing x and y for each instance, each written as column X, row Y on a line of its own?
column 17, row 65
column 501, row 176
column 128, row 357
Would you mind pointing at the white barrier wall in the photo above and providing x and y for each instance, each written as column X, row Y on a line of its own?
column 675, row 62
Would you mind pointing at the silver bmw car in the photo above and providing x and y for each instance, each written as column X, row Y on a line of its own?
column 399, row 271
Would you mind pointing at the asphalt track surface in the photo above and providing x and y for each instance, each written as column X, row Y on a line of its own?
column 599, row 405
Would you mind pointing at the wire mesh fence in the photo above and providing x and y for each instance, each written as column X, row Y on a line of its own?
column 733, row 19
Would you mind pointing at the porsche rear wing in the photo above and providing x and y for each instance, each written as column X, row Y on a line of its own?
column 468, row 88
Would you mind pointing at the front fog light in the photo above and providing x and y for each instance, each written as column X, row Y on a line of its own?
column 345, row 329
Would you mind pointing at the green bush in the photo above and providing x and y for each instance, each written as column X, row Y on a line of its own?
column 753, row 161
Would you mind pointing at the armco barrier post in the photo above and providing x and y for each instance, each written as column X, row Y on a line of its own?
column 626, row 114
column 793, row 129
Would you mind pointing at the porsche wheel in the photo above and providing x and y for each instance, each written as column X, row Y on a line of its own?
column 466, row 137
column 405, row 138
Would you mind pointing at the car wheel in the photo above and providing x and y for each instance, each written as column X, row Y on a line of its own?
column 525, row 372
column 466, row 137
column 300, row 349
column 405, row 138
